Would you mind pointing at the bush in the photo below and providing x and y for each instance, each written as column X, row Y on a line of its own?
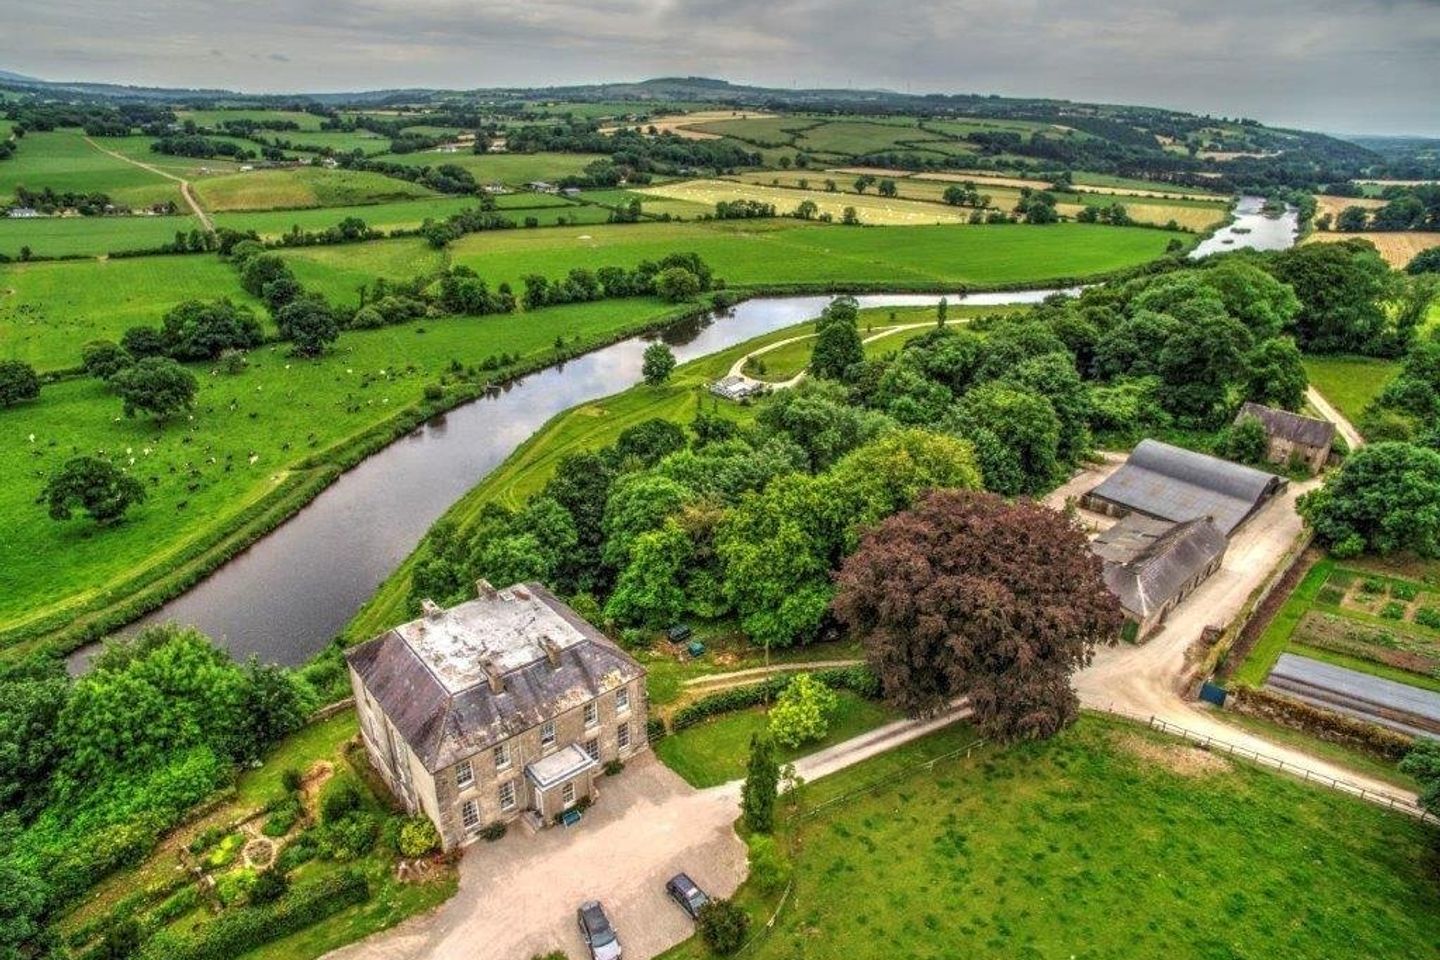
column 225, row 851
column 1404, row 591
column 297, row 851
column 612, row 767
column 103, row 359
column 232, row 361
column 802, row 711
column 269, row 886
column 1394, row 610
column 206, row 839
column 233, row 886
column 494, row 831
column 291, row 779
column 655, row 729
column 769, row 868
column 1428, row 617
column 347, row 838
column 418, row 837
column 434, row 391
column 723, row 926
column 282, row 818
column 340, row 798
column 18, row 381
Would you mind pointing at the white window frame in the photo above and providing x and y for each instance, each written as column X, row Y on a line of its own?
column 470, row 816
column 592, row 747
column 592, row 714
column 464, row 774
column 622, row 736
column 567, row 794
column 507, row 796
column 622, row 699
column 547, row 733
column 502, row 757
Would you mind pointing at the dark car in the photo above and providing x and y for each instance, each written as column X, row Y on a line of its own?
column 684, row 892
column 595, row 929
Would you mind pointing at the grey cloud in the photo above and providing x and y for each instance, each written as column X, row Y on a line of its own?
column 1346, row 65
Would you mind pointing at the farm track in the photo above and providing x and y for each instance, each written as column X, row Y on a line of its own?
column 1327, row 410
column 185, row 190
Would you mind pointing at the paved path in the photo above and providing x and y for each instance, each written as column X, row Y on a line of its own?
column 737, row 369
column 185, row 190
column 1329, row 412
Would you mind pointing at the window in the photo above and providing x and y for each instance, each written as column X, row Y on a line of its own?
column 470, row 815
column 464, row 774
column 592, row 713
column 622, row 699
column 567, row 794
column 547, row 733
column 592, row 747
column 507, row 795
column 502, row 756
column 622, row 736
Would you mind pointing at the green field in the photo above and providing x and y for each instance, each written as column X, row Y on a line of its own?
column 200, row 473
column 91, row 236
column 1350, row 383
column 515, row 169
column 213, row 118
column 398, row 215
column 341, row 141
column 63, row 161
column 712, row 752
column 49, row 310
column 188, row 168
column 297, row 187
column 1107, row 841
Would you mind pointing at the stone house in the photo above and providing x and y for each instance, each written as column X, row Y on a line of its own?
column 501, row 707
column 1152, row 565
column 1293, row 438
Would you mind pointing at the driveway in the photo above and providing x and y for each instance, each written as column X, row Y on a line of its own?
column 518, row 895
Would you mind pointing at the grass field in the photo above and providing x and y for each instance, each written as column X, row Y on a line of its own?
column 871, row 208
column 92, row 236
column 515, row 169
column 340, row 141
column 712, row 752
column 63, row 161
column 298, row 187
column 49, row 310
column 1398, row 247
column 339, row 272
column 247, row 432
column 213, row 118
column 1350, row 383
column 1107, row 841
column 188, row 168
column 399, row 214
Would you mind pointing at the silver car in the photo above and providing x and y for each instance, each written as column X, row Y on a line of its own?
column 596, row 931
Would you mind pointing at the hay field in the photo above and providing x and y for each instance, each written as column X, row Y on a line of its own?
column 871, row 208
column 1333, row 205
column 295, row 188
column 1397, row 247
column 684, row 124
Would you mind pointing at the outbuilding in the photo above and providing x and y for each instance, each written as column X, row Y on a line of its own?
column 1152, row 565
column 1293, row 438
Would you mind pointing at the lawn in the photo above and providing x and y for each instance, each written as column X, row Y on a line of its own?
column 63, row 161
column 297, row 187
column 91, row 236
column 715, row 751
column 48, row 310
column 247, row 434
column 1350, row 383
column 1107, row 841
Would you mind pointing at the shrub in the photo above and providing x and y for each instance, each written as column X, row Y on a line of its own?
column 297, row 851
column 723, row 926
column 655, row 729
column 206, row 839
column 232, row 361
column 269, row 886
column 291, row 779
column 802, row 711
column 347, row 838
column 418, row 837
column 235, row 885
column 341, row 797
column 224, row 852
column 282, row 818
column 1372, row 585
column 1394, row 610
column 18, row 381
column 1428, row 617
column 104, row 358
column 494, row 831
column 1404, row 591
column 433, row 391
column 769, row 868
column 612, row 767
column 857, row 679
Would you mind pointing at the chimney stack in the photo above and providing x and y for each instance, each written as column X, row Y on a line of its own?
column 552, row 652
column 484, row 590
column 492, row 674
column 431, row 609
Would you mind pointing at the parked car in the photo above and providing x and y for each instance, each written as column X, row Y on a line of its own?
column 595, row 929
column 685, row 892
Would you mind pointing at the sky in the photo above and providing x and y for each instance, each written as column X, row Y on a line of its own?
column 1342, row 66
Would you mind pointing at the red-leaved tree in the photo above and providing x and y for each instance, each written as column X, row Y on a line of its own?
column 968, row 594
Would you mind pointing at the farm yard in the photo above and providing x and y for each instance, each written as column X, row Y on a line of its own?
column 1106, row 841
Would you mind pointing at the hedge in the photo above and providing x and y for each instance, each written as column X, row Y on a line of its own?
column 856, row 679
column 242, row 929
column 1327, row 726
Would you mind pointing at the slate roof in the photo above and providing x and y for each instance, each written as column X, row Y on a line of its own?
column 1172, row 483
column 1308, row 431
column 444, row 719
column 1148, row 561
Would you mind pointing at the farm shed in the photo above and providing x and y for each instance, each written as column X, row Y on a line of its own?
column 1171, row 483
column 1151, row 565
column 1292, row 436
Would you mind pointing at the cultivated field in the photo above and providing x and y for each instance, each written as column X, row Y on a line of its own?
column 1333, row 205
column 1398, row 247
column 63, row 161
column 49, row 310
column 398, row 215
column 298, row 187
column 871, row 208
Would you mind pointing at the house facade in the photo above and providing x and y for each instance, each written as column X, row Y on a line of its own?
column 1292, row 438
column 504, row 707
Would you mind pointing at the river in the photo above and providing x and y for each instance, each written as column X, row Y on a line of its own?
column 294, row 590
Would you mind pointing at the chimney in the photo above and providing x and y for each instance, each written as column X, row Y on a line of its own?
column 492, row 673
column 552, row 652
column 484, row 590
column 431, row 609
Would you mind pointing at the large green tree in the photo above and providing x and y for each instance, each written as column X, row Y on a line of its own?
column 762, row 785
column 1341, row 287
column 18, row 382
column 98, row 487
column 1385, row 498
column 837, row 340
column 200, row 330
column 157, row 386
column 965, row 594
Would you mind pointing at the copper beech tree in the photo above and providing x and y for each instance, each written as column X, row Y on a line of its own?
column 968, row 594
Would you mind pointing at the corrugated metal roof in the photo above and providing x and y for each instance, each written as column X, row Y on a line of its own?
column 1172, row 483
column 443, row 726
column 1290, row 426
column 1148, row 561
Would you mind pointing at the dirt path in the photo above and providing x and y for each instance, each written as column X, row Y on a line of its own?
column 737, row 368
column 753, row 673
column 185, row 190
column 1329, row 412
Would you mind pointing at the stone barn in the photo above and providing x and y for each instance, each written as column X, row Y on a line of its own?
column 1293, row 438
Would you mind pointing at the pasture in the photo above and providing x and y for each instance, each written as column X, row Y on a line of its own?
column 1398, row 247
column 400, row 214
column 187, row 168
column 514, row 169
column 48, row 310
column 213, row 118
column 340, row 141
column 298, row 187
column 248, row 432
column 63, row 161
column 90, row 236
column 1350, row 383
column 871, row 208
column 1104, row 841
